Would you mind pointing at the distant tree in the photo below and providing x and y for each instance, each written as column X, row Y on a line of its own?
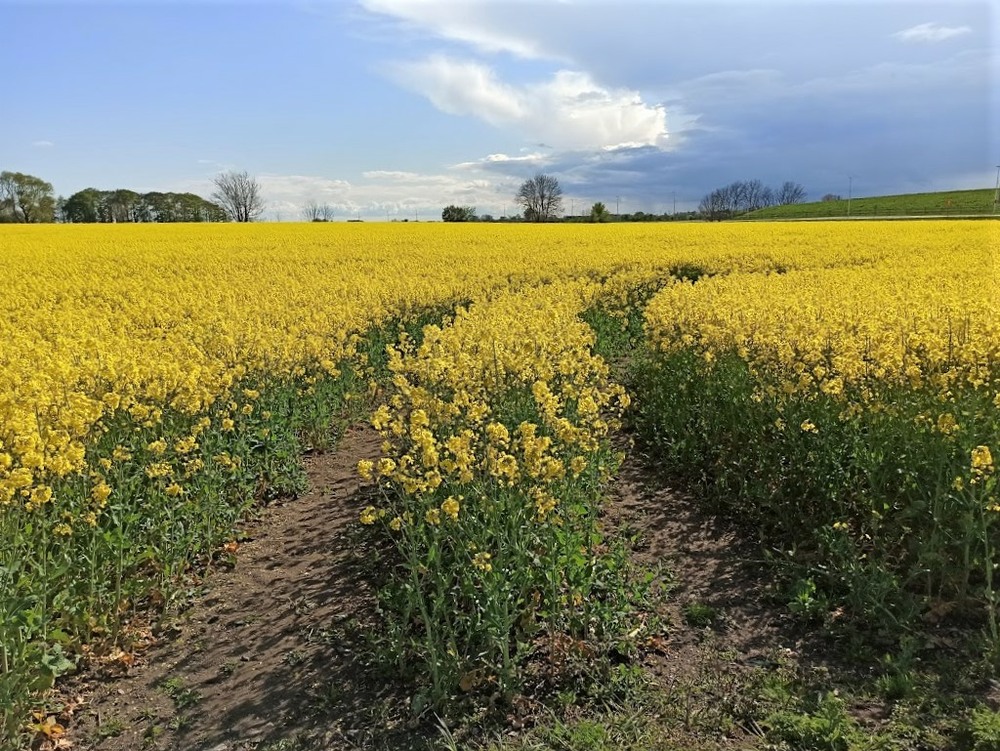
column 458, row 214
column 483, row 218
column 599, row 212
column 831, row 197
column 123, row 205
column 541, row 198
column 239, row 196
column 314, row 212
column 789, row 193
column 755, row 195
column 26, row 198
column 737, row 198
column 311, row 212
column 84, row 206
column 721, row 203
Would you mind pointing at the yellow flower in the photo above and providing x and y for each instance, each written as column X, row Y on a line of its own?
column 809, row 427
column 433, row 516
column 157, row 447
column 482, row 562
column 100, row 493
column 386, row 466
column 62, row 530
column 228, row 425
column 498, row 434
column 161, row 469
column 174, row 489
column 40, row 496
column 396, row 524
column 365, row 469
column 451, row 507
column 186, row 445
column 982, row 462
column 947, row 424
column 369, row 515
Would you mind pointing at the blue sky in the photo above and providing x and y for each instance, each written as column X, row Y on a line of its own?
column 399, row 107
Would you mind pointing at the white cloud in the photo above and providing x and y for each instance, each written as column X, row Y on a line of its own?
column 504, row 159
column 930, row 32
column 569, row 111
column 42, row 144
column 474, row 22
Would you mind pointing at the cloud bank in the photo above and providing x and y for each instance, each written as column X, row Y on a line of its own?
column 568, row 111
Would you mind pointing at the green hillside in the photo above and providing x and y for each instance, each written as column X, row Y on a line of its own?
column 952, row 202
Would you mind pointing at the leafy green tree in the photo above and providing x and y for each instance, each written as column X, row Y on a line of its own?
column 458, row 214
column 599, row 212
column 123, row 205
column 26, row 198
column 84, row 206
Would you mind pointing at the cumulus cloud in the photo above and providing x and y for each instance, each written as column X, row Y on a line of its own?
column 930, row 32
column 568, row 111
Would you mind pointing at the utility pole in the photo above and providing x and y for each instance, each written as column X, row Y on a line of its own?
column 617, row 201
column 996, row 196
column 675, row 203
column 572, row 209
column 850, row 186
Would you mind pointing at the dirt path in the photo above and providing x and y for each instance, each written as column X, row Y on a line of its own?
column 271, row 655
column 269, row 644
column 725, row 628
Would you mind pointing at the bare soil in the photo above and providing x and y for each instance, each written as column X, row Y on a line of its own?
column 271, row 645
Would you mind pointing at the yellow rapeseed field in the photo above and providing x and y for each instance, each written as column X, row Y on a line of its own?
column 98, row 319
column 931, row 317
column 153, row 379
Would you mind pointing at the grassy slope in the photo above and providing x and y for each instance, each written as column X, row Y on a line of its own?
column 918, row 204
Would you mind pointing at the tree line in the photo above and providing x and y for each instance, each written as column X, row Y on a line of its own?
column 748, row 195
column 30, row 199
column 123, row 205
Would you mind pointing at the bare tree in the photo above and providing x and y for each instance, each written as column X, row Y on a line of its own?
column 541, row 198
column 755, row 196
column 314, row 212
column 311, row 212
column 239, row 196
column 789, row 193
